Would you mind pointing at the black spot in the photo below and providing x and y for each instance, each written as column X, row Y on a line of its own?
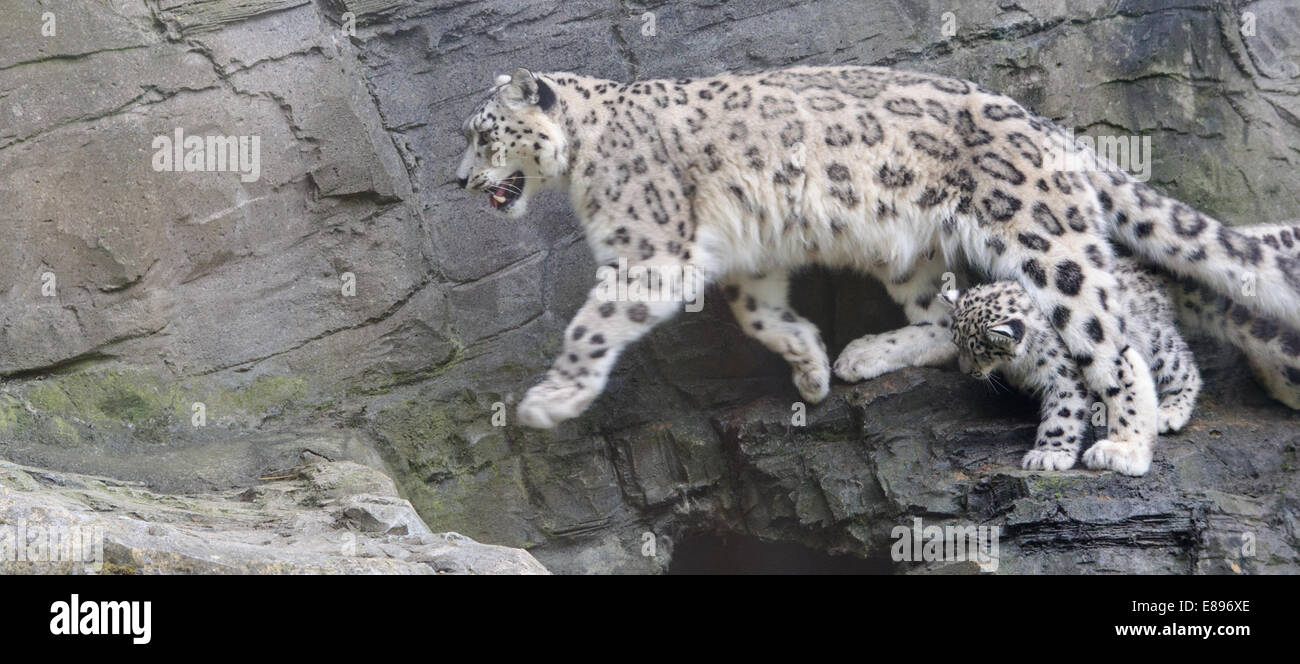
column 1096, row 257
column 1186, row 221
column 1291, row 343
column 936, row 111
column 1035, row 272
column 895, row 177
column 999, row 168
column 1069, row 277
column 607, row 309
column 1264, row 329
column 931, row 197
column 999, row 113
column 971, row 135
column 1061, row 316
column 872, row 132
column 825, row 104
column 1062, row 182
column 579, row 331
column 905, row 107
column 1001, row 206
column 1034, row 242
column 638, row 313
column 1074, row 220
column 837, row 136
column 1093, row 328
column 770, row 107
column 1245, row 249
column 837, row 172
column 1239, row 315
column 845, row 195
column 1026, row 148
column 792, row 133
column 1043, row 217
column 932, row 145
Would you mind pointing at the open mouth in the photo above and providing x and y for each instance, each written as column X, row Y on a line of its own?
column 507, row 191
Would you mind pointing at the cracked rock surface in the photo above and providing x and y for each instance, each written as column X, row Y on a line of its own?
column 321, row 518
column 200, row 333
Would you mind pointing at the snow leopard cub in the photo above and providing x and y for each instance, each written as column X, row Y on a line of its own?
column 997, row 328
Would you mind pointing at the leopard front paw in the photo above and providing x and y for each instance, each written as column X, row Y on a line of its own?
column 549, row 402
column 1127, row 458
column 813, row 380
column 866, row 358
column 1049, row 458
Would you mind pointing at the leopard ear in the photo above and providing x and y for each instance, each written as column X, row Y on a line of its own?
column 521, row 89
column 950, row 297
column 1007, row 333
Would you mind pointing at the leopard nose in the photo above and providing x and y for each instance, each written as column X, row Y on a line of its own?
column 464, row 183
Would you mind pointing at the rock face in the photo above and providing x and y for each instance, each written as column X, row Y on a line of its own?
column 194, row 331
column 321, row 518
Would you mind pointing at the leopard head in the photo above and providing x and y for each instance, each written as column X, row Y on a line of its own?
column 515, row 146
column 987, row 330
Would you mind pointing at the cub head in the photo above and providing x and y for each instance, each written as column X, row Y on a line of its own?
column 515, row 146
column 987, row 333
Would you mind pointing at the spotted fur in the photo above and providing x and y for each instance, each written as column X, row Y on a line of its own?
column 899, row 174
column 998, row 328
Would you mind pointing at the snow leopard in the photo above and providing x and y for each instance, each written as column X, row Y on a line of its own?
column 996, row 328
column 743, row 178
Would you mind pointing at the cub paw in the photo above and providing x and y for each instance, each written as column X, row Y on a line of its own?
column 813, row 380
column 1048, row 458
column 866, row 358
column 547, row 404
column 1172, row 419
column 1125, row 458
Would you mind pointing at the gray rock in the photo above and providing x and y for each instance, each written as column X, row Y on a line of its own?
column 309, row 521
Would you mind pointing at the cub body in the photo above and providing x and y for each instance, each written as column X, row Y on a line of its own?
column 997, row 328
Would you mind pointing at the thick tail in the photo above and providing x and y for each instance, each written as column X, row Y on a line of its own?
column 1283, row 236
column 1261, row 275
column 1271, row 347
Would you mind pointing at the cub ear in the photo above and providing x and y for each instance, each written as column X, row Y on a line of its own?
column 1007, row 333
column 950, row 297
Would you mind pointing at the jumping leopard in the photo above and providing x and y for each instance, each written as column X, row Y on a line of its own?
column 997, row 328
column 743, row 178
